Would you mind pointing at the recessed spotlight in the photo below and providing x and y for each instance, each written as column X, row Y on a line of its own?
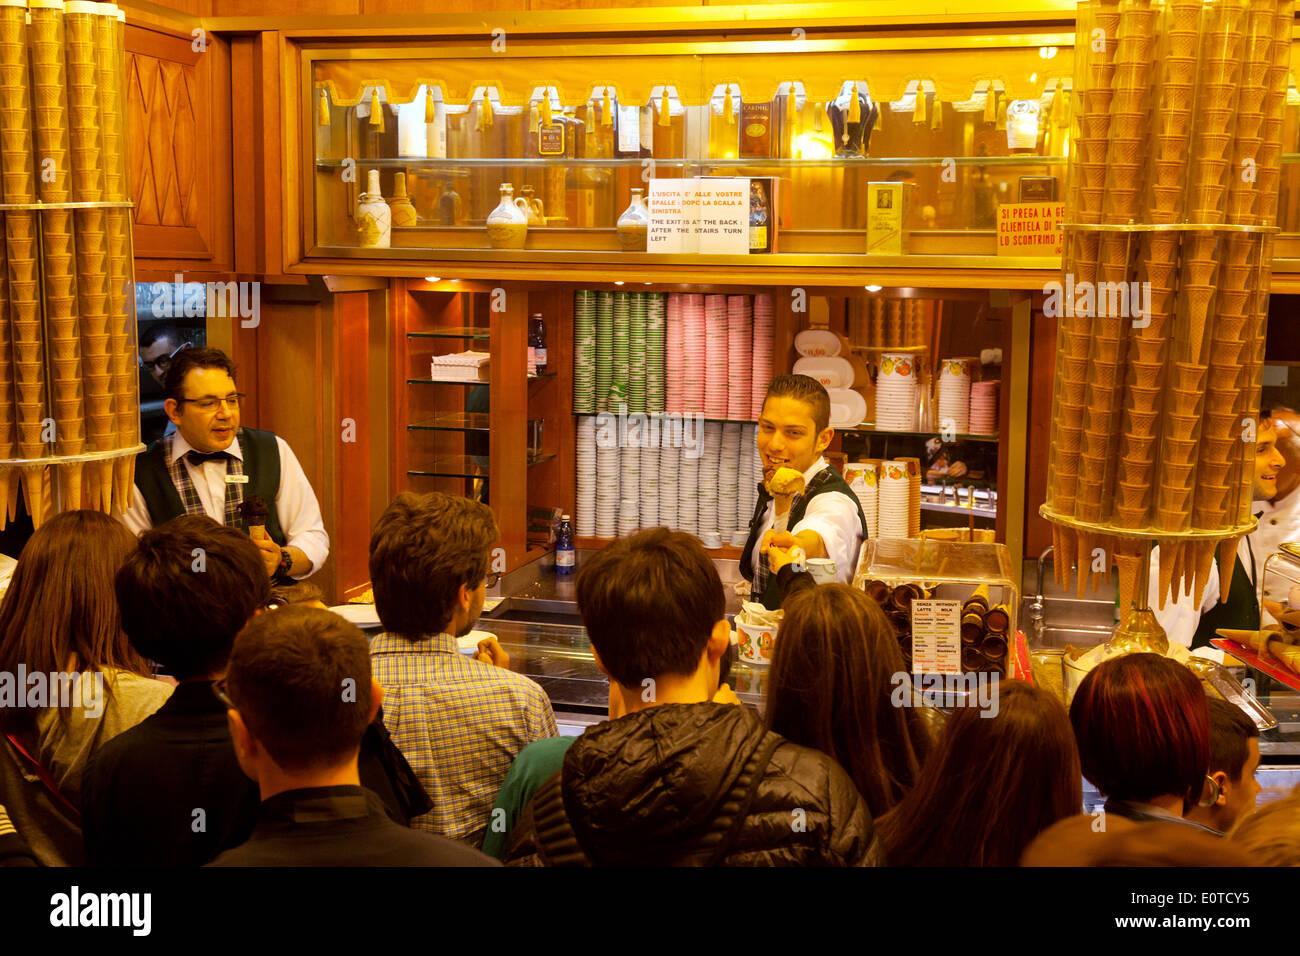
column 873, row 288
column 433, row 278
column 618, row 282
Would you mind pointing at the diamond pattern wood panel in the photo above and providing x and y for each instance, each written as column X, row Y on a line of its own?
column 162, row 104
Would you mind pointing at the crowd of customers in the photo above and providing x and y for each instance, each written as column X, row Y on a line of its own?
column 195, row 716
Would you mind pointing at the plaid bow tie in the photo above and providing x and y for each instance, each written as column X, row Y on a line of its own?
column 197, row 457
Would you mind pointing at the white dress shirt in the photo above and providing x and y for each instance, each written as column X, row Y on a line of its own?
column 1181, row 615
column 295, row 502
column 834, row 516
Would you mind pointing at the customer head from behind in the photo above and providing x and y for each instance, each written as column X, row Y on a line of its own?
column 1271, row 835
column 1230, row 788
column 1143, row 728
column 991, row 786
column 60, row 612
column 830, row 689
column 300, row 696
column 187, row 590
column 654, row 609
column 429, row 558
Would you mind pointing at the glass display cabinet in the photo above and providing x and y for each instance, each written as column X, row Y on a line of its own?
column 964, row 123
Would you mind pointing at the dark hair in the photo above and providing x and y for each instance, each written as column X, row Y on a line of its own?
column 1229, row 731
column 187, row 361
column 300, row 592
column 60, row 604
column 423, row 548
column 830, row 689
column 165, row 332
column 990, row 787
column 185, row 614
column 649, row 603
column 1143, row 728
column 289, row 678
column 807, row 390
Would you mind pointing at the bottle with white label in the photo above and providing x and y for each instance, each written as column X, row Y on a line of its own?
column 565, row 556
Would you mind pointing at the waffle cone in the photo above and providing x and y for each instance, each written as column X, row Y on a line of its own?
column 1083, row 560
column 1169, row 553
column 124, row 473
column 1204, row 556
column 35, row 479
column 1227, row 564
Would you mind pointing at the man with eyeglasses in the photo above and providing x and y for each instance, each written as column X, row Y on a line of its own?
column 211, row 466
column 159, row 345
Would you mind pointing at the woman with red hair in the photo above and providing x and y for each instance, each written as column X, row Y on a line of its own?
column 1142, row 723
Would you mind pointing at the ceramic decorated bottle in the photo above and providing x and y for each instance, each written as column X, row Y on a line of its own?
column 374, row 218
column 400, row 205
column 634, row 224
column 507, row 225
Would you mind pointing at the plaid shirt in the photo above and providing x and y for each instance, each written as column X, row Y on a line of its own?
column 460, row 723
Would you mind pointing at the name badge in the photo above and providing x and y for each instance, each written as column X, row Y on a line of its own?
column 236, row 479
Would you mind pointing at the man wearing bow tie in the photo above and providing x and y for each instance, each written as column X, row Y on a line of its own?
column 210, row 465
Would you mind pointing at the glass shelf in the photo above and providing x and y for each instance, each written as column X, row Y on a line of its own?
column 452, row 466
column 539, row 459
column 533, row 378
column 455, row 422
column 390, row 162
column 442, row 381
column 866, row 429
column 454, row 333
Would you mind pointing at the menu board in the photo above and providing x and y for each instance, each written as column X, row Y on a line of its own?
column 688, row 216
column 936, row 637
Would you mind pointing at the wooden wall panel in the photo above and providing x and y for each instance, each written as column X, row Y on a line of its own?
column 178, row 151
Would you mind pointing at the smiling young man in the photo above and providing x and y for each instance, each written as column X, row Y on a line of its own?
column 1195, row 627
column 211, row 466
column 825, row 519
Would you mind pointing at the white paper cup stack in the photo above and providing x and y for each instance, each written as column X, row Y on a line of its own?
column 710, row 464
column 954, row 396
column 670, row 454
column 649, row 479
column 896, row 393
column 585, row 460
column 607, row 476
column 688, row 492
column 866, row 485
column 984, row 408
column 895, row 500
column 629, row 501
column 729, row 478
column 764, row 329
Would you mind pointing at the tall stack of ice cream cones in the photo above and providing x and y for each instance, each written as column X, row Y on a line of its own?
column 1153, row 407
column 22, row 287
column 121, row 303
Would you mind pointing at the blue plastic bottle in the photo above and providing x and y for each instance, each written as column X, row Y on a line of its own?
column 565, row 556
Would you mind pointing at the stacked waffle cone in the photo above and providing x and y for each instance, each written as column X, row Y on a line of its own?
column 66, row 366
column 1154, row 403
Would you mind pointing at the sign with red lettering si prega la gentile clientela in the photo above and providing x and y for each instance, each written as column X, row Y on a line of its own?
column 1031, row 229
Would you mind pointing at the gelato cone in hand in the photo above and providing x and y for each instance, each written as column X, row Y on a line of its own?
column 254, row 512
column 785, row 482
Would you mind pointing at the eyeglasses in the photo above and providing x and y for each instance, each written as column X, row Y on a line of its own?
column 492, row 579
column 209, row 403
column 165, row 361
column 219, row 688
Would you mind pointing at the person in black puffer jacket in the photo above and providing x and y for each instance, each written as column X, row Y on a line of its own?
column 682, row 775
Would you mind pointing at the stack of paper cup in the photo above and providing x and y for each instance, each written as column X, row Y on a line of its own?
column 688, row 492
column 694, row 358
column 604, row 348
column 629, row 499
column 670, row 454
column 715, row 351
column 607, row 475
column 707, row 516
column 896, row 393
column 649, row 453
column 984, row 407
column 954, row 396
column 656, row 361
column 618, row 386
column 729, row 477
column 895, row 500
column 914, row 495
column 584, row 353
column 675, row 356
column 761, row 374
column 740, row 350
column 585, row 463
column 866, row 486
